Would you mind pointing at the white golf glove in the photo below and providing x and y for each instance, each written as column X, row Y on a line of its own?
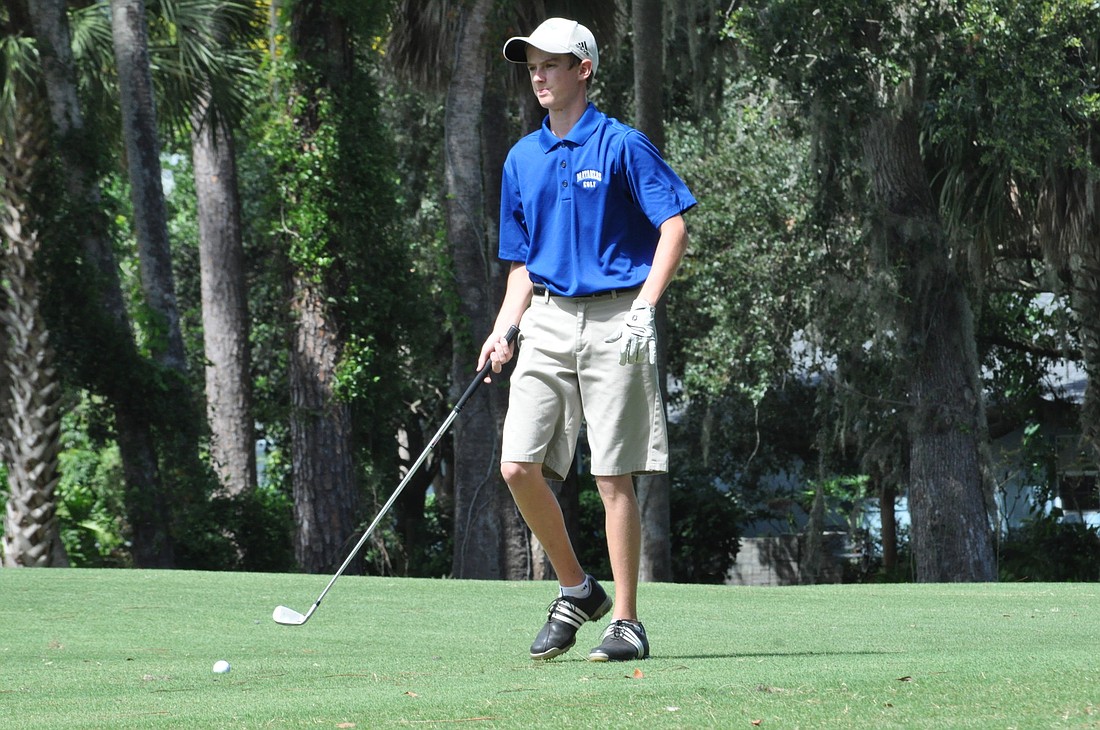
column 638, row 334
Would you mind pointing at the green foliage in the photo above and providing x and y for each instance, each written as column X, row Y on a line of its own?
column 436, row 543
column 421, row 545
column 837, row 57
column 591, row 543
column 343, row 216
column 302, row 173
column 1019, row 334
column 844, row 496
column 18, row 66
column 705, row 528
column 332, row 206
column 90, row 491
column 1048, row 548
column 261, row 523
column 183, row 232
column 753, row 452
column 777, row 260
column 746, row 285
column 1020, row 71
column 195, row 47
column 1014, row 101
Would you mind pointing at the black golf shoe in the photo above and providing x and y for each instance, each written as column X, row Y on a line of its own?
column 622, row 642
column 566, row 614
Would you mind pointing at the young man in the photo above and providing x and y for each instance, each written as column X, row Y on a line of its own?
column 591, row 223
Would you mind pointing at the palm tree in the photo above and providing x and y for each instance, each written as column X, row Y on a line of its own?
column 224, row 304
column 203, row 63
column 29, row 387
column 139, row 131
column 212, row 75
column 191, row 63
column 107, row 324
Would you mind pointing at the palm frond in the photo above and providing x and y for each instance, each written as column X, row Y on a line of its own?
column 1065, row 214
column 93, row 55
column 204, row 49
column 18, row 70
column 198, row 49
column 422, row 35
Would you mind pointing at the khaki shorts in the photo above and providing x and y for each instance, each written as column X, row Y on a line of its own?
column 565, row 374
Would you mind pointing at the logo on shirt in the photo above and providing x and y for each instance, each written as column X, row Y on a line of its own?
column 589, row 179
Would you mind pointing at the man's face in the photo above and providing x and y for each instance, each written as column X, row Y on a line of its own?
column 558, row 80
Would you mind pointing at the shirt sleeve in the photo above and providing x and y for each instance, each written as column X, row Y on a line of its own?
column 657, row 190
column 515, row 239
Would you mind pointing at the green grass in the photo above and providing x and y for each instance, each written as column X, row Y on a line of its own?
column 134, row 649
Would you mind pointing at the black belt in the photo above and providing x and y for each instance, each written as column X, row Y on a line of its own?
column 541, row 291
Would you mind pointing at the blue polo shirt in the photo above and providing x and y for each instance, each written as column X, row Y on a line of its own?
column 583, row 212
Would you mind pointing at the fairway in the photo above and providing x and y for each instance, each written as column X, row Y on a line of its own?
column 135, row 649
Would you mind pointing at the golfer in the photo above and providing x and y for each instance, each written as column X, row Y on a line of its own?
column 591, row 222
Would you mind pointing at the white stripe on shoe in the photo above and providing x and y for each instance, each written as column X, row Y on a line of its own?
column 567, row 612
column 622, row 640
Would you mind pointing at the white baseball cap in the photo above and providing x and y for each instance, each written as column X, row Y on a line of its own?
column 556, row 35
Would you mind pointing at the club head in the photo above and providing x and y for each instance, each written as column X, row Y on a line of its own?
column 288, row 616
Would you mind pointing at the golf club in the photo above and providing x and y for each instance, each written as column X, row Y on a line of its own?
column 290, row 617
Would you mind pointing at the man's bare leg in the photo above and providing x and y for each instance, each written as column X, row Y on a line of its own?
column 623, row 524
column 568, row 612
column 542, row 513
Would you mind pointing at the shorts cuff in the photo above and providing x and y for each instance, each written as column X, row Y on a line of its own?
column 652, row 467
column 548, row 470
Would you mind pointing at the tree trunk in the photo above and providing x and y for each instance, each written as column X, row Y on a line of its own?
column 326, row 498
column 147, row 511
column 647, row 18
column 326, row 491
column 224, row 305
column 30, row 434
column 951, row 534
column 653, row 490
column 139, row 130
column 489, row 537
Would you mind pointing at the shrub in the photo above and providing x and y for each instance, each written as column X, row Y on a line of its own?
column 1047, row 548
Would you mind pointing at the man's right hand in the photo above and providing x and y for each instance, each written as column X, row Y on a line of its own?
column 496, row 350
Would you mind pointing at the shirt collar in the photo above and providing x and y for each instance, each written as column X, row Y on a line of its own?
column 578, row 135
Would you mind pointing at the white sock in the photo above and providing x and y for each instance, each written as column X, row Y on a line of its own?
column 581, row 591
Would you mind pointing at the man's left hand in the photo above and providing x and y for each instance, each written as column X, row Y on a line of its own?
column 638, row 334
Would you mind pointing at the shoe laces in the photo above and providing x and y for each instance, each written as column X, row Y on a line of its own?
column 555, row 603
column 621, row 630
column 565, row 610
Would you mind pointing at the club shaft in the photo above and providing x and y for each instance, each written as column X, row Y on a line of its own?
column 478, row 379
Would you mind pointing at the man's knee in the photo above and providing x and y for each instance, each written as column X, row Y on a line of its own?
column 612, row 488
column 518, row 473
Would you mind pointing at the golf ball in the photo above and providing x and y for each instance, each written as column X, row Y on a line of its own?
column 221, row 667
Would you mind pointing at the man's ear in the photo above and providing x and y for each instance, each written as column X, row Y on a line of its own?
column 586, row 68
